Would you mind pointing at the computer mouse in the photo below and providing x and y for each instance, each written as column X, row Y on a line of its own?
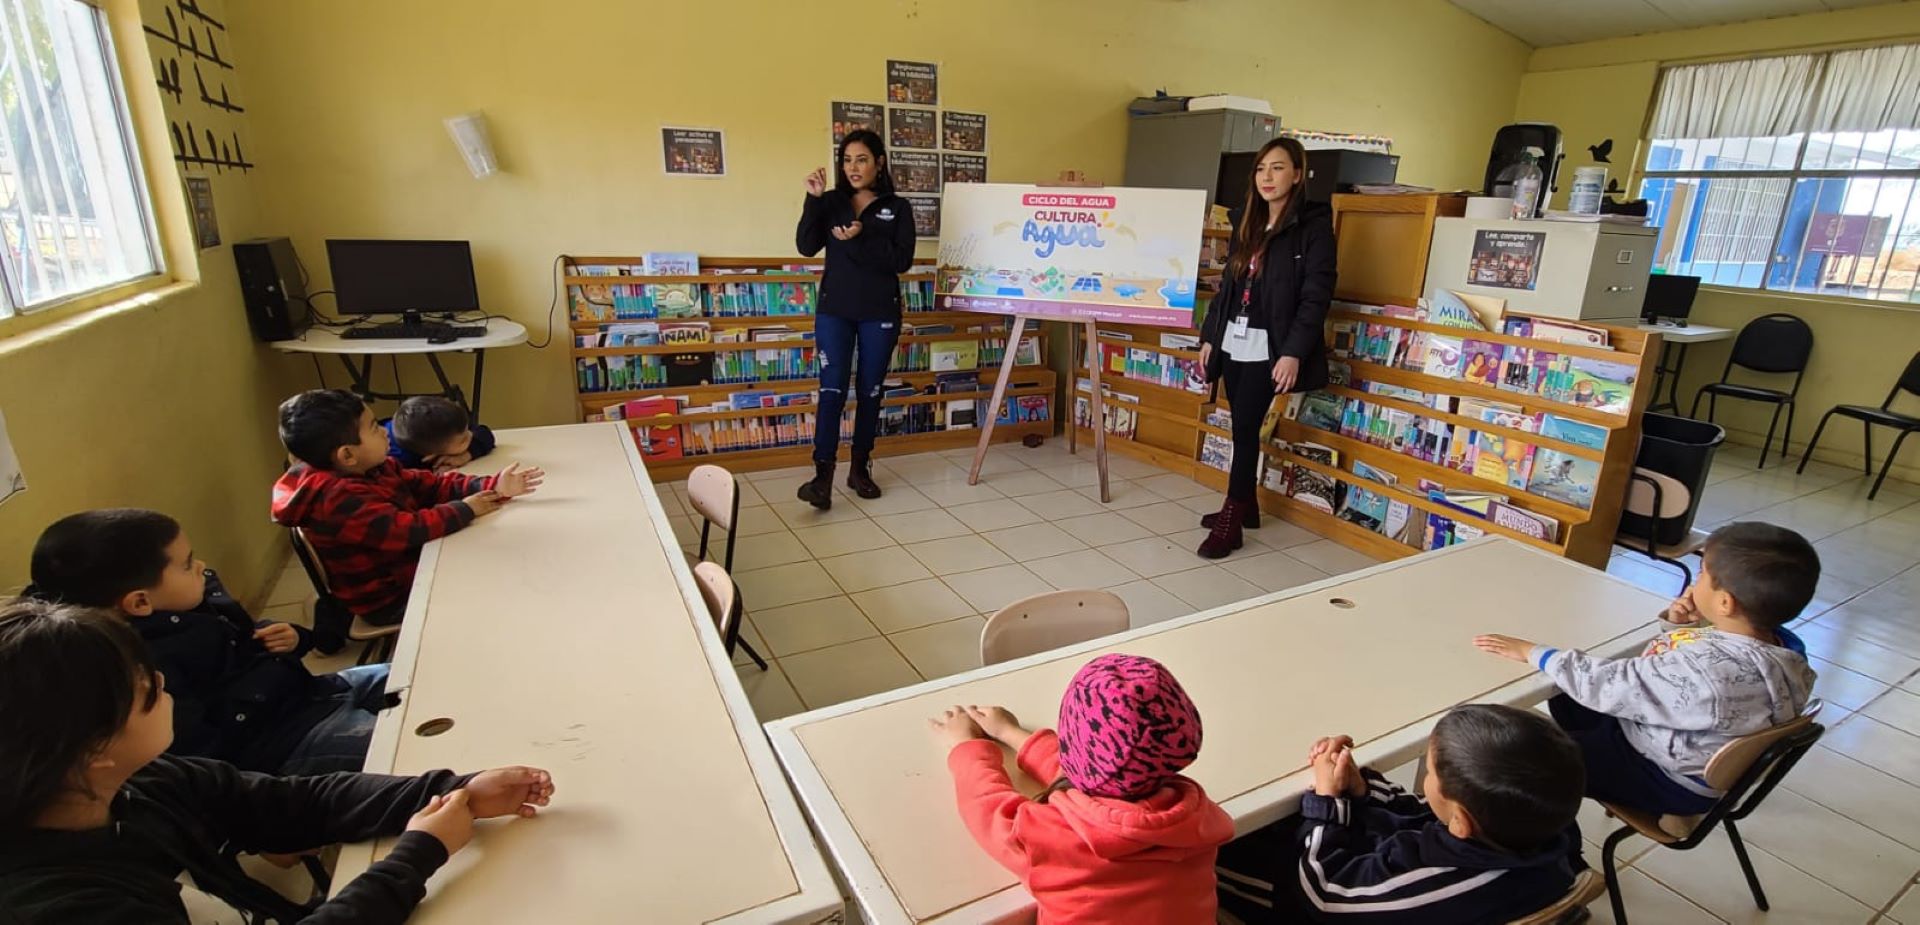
column 442, row 339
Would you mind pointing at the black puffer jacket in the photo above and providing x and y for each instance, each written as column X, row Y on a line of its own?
column 1289, row 298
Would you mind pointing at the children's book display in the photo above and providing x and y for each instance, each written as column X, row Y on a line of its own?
column 709, row 356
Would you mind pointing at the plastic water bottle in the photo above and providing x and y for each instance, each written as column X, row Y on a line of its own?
column 1526, row 183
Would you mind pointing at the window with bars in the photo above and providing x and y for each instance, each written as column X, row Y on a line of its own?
column 73, row 208
column 1798, row 174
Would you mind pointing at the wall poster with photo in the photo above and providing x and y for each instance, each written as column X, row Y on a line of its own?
column 915, row 171
column 963, row 168
column 1506, row 259
column 963, row 131
column 915, row 82
column 851, row 117
column 926, row 215
column 910, row 128
column 697, row 152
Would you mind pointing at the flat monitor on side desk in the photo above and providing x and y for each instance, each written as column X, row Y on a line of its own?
column 1669, row 298
column 407, row 278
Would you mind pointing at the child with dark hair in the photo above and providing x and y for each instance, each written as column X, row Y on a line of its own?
column 240, row 691
column 97, row 825
column 1723, row 666
column 365, row 516
column 430, row 432
column 1491, row 838
column 1120, row 836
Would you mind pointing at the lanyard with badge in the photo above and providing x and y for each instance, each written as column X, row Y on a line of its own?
column 1245, row 343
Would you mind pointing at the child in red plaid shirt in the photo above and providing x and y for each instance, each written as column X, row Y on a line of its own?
column 364, row 515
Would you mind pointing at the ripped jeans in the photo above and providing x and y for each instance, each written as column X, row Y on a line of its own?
column 838, row 341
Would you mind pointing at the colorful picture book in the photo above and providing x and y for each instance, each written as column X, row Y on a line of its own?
column 1578, row 433
column 1563, row 477
column 1314, row 489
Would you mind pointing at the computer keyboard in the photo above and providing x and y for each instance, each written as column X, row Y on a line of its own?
column 428, row 331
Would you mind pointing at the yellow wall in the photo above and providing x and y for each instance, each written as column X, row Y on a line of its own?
column 1604, row 89
column 166, row 405
column 351, row 94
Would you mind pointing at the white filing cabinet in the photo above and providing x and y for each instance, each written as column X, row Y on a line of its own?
column 1580, row 270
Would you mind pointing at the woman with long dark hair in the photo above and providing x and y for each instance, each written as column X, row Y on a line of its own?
column 868, row 235
column 1262, row 333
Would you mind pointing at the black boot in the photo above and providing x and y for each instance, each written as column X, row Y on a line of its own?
column 860, row 478
column 819, row 492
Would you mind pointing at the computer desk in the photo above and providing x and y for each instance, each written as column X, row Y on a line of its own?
column 1668, row 371
column 565, row 632
column 1379, row 655
column 327, row 340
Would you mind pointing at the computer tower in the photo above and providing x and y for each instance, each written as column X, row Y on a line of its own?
column 271, row 288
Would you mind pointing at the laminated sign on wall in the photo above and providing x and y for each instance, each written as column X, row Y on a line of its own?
column 1087, row 254
column 12, row 481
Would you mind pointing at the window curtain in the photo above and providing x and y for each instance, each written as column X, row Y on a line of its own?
column 1869, row 90
column 1749, row 98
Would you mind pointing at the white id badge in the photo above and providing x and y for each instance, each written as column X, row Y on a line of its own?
column 1245, row 344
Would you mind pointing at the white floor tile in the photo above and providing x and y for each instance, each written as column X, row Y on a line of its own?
column 1084, row 568
column 764, row 551
column 1858, row 861
column 799, row 514
column 1023, row 482
column 1596, row 827
column 1205, row 588
column 840, row 673
column 784, row 584
column 1278, row 534
column 1033, row 541
column 942, row 648
column 1192, row 537
column 810, row 625
column 896, row 497
column 920, row 467
column 757, row 520
column 1149, row 603
column 749, row 634
column 1078, row 473
column 958, row 554
column 1848, row 651
column 875, row 568
column 1907, row 910
column 996, row 514
column 1331, row 557
column 913, row 604
column 989, row 590
column 921, row 526
column 1880, row 617
column 1153, row 556
column 1862, row 793
column 1273, row 571
column 1126, row 467
column 1173, row 487
column 1896, row 708
column 953, row 492
column 1163, row 517
column 1649, row 901
column 1122, row 494
column 1842, row 687
column 838, row 539
column 1102, row 529
column 994, row 464
column 1066, row 503
column 1878, row 745
column 1710, row 877
column 769, row 691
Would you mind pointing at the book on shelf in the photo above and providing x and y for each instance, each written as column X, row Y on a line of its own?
column 1447, row 309
column 655, row 441
column 1498, row 458
column 1553, row 329
column 1118, row 418
column 1443, row 356
column 1481, row 362
column 949, row 355
column 1578, row 433
column 1539, row 526
column 1314, row 489
column 1603, row 385
column 670, row 263
column 1180, row 341
column 686, row 370
column 1564, row 477
column 1321, row 410
column 1216, row 451
column 1024, row 409
column 679, row 333
column 1443, row 531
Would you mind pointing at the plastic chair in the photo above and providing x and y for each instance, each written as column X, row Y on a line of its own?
column 1776, row 344
column 1658, row 497
column 715, row 496
column 723, row 604
column 377, row 642
column 1883, row 415
column 1588, row 886
column 1745, row 770
column 1049, row 621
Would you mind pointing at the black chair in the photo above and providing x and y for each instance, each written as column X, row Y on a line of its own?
column 1776, row 344
column 1744, row 770
column 1904, row 423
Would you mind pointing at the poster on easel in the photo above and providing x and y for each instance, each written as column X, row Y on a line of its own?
column 12, row 480
column 1116, row 254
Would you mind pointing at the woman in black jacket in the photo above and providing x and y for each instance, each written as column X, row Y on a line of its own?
column 1262, row 332
column 868, row 235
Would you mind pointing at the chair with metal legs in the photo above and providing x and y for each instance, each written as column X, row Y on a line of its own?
column 1775, row 344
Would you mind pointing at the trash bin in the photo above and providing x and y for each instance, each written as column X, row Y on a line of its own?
column 1681, row 448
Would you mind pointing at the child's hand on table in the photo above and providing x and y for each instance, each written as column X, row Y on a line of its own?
column 955, row 726
column 446, row 818
column 1334, row 773
column 1000, row 724
column 513, row 481
column 513, row 791
column 1510, row 647
column 1353, row 785
column 483, row 503
column 277, row 638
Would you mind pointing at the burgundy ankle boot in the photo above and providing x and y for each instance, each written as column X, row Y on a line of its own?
column 1249, row 517
column 1225, row 537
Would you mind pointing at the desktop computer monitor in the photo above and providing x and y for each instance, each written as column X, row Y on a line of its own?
column 401, row 277
column 1669, row 297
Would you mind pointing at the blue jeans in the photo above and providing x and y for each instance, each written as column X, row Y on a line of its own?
column 1616, row 771
column 339, row 742
column 837, row 341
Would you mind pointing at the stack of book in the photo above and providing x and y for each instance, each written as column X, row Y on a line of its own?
column 1118, row 416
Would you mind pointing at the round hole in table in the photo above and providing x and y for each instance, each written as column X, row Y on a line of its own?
column 1341, row 603
column 433, row 727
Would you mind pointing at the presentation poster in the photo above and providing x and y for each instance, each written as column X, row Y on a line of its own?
column 1506, row 259
column 926, row 215
column 963, row 168
column 915, row 171
column 695, row 152
column 1104, row 254
column 12, row 482
column 915, row 82
column 852, row 117
column 910, row 128
column 963, row 131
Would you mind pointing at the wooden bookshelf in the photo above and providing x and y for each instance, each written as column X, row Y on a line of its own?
column 588, row 319
column 1586, row 534
column 1167, row 431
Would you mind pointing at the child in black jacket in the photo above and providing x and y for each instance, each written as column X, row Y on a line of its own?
column 240, row 691
column 96, row 825
column 1492, row 840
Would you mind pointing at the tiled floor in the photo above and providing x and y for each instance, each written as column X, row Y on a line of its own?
column 874, row 595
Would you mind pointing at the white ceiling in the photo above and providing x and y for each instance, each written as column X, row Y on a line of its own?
column 1562, row 22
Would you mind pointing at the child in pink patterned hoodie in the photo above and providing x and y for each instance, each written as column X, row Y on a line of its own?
column 1120, row 835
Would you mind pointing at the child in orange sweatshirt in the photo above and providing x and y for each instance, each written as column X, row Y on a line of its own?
column 1120, row 836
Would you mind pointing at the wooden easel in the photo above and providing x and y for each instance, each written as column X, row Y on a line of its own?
column 1097, row 404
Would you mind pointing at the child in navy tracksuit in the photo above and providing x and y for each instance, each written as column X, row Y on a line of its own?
column 430, row 432
column 1492, row 840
